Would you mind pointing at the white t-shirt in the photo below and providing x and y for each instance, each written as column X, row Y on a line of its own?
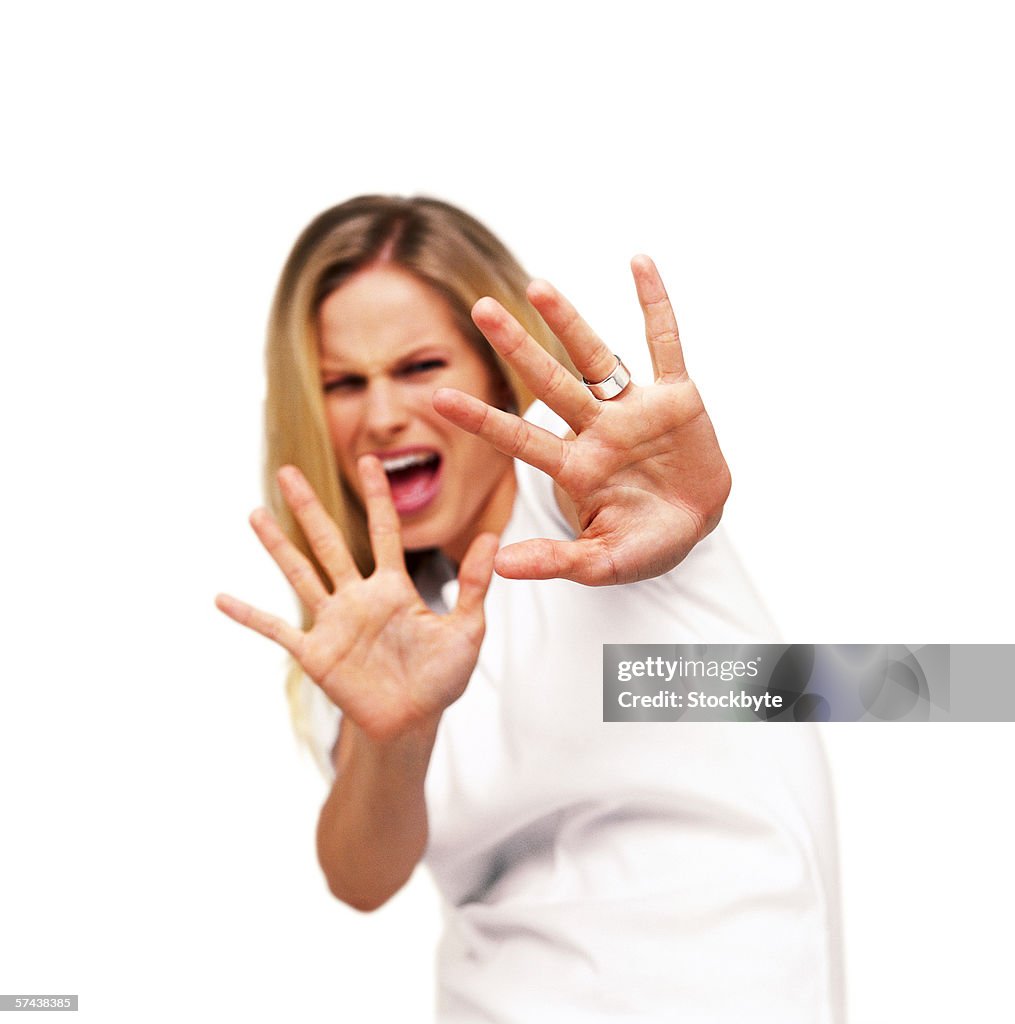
column 604, row 872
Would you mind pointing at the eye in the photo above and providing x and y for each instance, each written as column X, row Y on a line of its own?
column 344, row 385
column 421, row 366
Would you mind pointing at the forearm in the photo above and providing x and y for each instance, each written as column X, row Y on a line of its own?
column 372, row 829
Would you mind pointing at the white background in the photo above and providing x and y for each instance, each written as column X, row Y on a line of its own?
column 827, row 191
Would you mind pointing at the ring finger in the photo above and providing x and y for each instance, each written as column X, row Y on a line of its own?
column 593, row 359
column 297, row 568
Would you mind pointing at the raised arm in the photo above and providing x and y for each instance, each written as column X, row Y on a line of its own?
column 390, row 664
column 642, row 469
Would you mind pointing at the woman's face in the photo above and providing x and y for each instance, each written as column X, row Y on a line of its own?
column 387, row 342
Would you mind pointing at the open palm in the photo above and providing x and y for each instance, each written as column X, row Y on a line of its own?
column 642, row 471
column 377, row 651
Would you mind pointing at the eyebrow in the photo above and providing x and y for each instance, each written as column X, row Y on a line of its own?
column 428, row 348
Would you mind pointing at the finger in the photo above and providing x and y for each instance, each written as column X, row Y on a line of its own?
column 542, row 374
column 261, row 622
column 296, row 566
column 660, row 324
column 382, row 518
column 323, row 536
column 507, row 433
column 475, row 573
column 594, row 360
column 581, row 561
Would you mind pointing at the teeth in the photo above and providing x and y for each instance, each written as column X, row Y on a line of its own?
column 405, row 461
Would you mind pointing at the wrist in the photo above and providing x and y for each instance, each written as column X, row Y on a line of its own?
column 406, row 746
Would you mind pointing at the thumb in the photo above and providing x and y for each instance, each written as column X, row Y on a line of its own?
column 581, row 561
column 475, row 573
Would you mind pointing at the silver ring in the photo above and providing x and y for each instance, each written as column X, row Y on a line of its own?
column 612, row 385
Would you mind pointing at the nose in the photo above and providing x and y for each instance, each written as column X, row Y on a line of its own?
column 385, row 414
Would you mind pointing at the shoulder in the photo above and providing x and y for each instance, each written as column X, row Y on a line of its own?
column 541, row 415
column 709, row 596
column 536, row 512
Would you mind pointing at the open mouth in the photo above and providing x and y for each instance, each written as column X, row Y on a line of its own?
column 414, row 480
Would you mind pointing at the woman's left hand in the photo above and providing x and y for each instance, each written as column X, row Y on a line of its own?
column 643, row 470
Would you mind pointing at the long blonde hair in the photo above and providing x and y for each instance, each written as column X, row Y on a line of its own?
column 446, row 249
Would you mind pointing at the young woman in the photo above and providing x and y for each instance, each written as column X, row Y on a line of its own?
column 591, row 871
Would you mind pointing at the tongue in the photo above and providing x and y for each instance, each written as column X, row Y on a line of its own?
column 411, row 488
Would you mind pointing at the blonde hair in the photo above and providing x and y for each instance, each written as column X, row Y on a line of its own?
column 443, row 247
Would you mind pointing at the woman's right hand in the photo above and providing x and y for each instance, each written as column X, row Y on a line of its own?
column 389, row 663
